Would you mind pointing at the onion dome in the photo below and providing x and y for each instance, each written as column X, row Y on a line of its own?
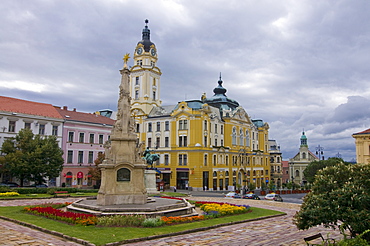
column 146, row 37
column 219, row 99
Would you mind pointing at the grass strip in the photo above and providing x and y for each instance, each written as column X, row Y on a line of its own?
column 104, row 235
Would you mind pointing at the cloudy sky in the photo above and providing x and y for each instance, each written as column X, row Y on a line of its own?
column 298, row 65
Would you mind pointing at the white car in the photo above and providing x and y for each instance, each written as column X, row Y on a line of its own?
column 274, row 197
column 232, row 194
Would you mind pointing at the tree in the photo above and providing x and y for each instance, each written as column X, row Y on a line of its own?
column 340, row 195
column 312, row 168
column 95, row 171
column 32, row 157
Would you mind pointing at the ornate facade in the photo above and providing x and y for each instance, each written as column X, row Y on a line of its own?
column 300, row 161
column 210, row 143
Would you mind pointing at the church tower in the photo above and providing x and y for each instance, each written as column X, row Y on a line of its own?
column 145, row 76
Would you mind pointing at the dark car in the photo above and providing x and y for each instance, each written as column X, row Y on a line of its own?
column 41, row 186
column 10, row 184
column 251, row 196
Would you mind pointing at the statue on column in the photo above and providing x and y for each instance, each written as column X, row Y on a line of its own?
column 150, row 158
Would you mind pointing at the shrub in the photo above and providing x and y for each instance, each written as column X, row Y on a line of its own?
column 121, row 220
column 153, row 222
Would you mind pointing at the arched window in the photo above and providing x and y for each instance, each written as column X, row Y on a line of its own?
column 303, row 155
column 297, row 173
column 227, row 173
column 241, row 137
column 234, row 136
column 123, row 174
column 247, row 139
column 234, row 173
column 214, row 174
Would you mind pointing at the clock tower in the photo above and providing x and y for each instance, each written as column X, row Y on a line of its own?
column 145, row 76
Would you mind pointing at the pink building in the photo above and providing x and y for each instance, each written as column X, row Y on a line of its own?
column 285, row 166
column 84, row 135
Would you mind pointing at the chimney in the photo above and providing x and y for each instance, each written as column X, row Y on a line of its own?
column 74, row 109
column 65, row 108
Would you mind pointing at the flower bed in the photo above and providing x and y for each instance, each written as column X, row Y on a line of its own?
column 211, row 210
column 9, row 194
column 57, row 214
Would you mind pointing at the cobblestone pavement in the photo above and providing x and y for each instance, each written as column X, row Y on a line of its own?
column 272, row 231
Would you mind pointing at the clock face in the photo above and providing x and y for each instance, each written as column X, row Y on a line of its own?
column 152, row 52
column 139, row 51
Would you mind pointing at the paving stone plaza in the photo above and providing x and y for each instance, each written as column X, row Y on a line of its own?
column 273, row 231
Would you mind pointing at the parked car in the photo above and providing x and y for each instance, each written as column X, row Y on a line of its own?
column 10, row 184
column 251, row 196
column 41, row 186
column 232, row 194
column 274, row 197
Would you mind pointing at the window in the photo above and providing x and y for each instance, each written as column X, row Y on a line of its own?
column 70, row 156
column 136, row 94
column 205, row 160
column 158, row 126
column 153, row 95
column 137, row 127
column 92, row 138
column 215, row 128
column 167, row 126
column 222, row 142
column 70, row 136
column 82, row 136
column 27, row 125
column 42, row 129
column 166, row 144
column 214, row 160
column 183, row 160
column 136, row 80
column 158, row 143
column 222, row 129
column 80, row 157
column 241, row 137
column 205, row 141
column 55, row 131
column 183, row 124
column 139, row 62
column 297, row 173
column 205, row 125
column 91, row 157
column 247, row 140
column 234, row 136
column 266, row 172
column 101, row 139
column 149, row 127
column 183, row 141
column 149, row 142
column 154, row 81
column 216, row 142
column 11, row 126
column 166, row 160
column 227, row 160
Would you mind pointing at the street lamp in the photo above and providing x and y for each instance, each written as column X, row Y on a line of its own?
column 320, row 152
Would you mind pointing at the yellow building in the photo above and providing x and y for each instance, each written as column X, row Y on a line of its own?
column 362, row 140
column 209, row 143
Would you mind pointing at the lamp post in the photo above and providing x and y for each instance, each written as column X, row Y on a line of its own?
column 320, row 152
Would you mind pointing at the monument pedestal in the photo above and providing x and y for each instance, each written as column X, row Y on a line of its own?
column 122, row 184
column 151, row 181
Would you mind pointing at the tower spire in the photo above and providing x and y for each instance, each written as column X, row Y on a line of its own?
column 146, row 31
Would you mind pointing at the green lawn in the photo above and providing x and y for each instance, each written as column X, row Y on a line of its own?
column 104, row 235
